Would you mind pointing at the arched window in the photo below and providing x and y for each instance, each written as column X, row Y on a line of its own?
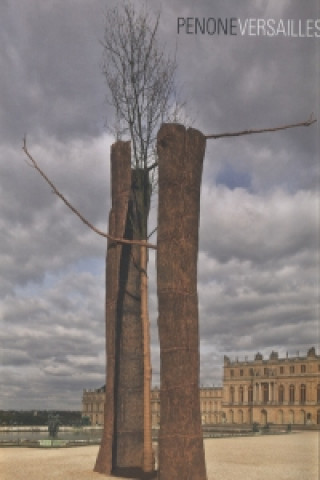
column 241, row 395
column 281, row 394
column 302, row 393
column 291, row 394
column 240, row 416
column 291, row 416
column 250, row 394
column 264, row 417
column 280, row 416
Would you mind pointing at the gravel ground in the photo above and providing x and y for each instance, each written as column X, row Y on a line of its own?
column 272, row 457
column 275, row 457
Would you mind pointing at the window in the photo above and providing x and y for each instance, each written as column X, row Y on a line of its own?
column 265, row 392
column 291, row 394
column 232, row 394
column 303, row 369
column 241, row 372
column 302, row 393
column 292, row 369
column 281, row 394
column 231, row 373
column 266, row 371
column 250, row 394
column 280, row 416
column 281, row 369
column 318, row 393
column 241, row 394
column 240, row 416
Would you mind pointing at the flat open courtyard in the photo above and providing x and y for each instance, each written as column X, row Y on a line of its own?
column 272, row 457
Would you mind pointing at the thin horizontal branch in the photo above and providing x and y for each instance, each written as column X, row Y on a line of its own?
column 123, row 241
column 262, row 130
column 151, row 167
column 153, row 231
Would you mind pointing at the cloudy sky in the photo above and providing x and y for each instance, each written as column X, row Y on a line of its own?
column 258, row 259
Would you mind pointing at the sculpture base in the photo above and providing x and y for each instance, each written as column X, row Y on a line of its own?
column 134, row 472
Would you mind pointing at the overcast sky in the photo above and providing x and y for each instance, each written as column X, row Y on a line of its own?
column 258, row 261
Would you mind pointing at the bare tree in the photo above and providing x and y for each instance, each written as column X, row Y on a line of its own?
column 140, row 79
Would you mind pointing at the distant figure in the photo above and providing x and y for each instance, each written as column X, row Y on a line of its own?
column 53, row 425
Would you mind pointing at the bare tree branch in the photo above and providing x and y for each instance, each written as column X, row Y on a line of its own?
column 140, row 77
column 151, row 167
column 262, row 130
column 153, row 231
column 76, row 212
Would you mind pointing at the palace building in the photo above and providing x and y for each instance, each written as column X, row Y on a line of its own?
column 272, row 390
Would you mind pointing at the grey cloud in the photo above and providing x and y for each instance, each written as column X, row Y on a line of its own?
column 13, row 357
column 37, row 229
column 51, row 56
column 238, row 224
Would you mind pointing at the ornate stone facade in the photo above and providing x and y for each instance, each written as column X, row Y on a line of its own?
column 93, row 405
column 274, row 390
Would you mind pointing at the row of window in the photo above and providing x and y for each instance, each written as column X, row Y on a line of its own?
column 93, row 407
column 301, row 417
column 265, row 394
column 269, row 371
column 209, row 406
column 210, row 393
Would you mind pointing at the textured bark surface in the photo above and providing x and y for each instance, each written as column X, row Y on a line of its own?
column 128, row 437
column 181, row 451
column 122, row 441
column 120, row 187
column 129, row 414
column 148, row 457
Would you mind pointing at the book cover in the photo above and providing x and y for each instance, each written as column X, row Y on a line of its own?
column 246, row 76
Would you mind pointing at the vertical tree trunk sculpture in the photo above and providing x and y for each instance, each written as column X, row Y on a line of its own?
column 128, row 436
column 121, row 449
column 181, row 451
column 120, row 193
